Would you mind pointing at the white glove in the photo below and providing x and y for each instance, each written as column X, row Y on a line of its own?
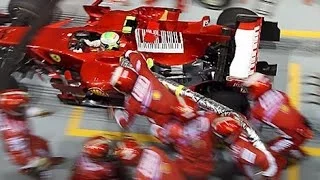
column 273, row 167
column 127, row 54
column 154, row 129
column 37, row 163
column 95, row 43
column 78, row 50
column 35, row 111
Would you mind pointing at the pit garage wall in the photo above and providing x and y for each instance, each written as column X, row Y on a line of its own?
column 295, row 56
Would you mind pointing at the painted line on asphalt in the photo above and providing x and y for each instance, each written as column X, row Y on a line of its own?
column 293, row 89
column 74, row 129
column 294, row 172
column 300, row 34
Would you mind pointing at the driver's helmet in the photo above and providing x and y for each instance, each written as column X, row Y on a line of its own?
column 110, row 40
column 128, row 151
column 96, row 148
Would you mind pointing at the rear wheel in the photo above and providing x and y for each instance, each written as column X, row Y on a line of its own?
column 229, row 16
column 223, row 94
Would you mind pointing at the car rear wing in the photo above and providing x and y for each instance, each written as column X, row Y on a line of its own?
column 247, row 38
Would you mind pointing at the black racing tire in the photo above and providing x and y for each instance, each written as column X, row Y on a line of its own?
column 228, row 17
column 214, row 4
column 24, row 12
column 226, row 95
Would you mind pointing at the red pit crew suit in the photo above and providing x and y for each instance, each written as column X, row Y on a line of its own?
column 243, row 152
column 193, row 142
column 273, row 107
column 22, row 147
column 95, row 163
column 146, row 95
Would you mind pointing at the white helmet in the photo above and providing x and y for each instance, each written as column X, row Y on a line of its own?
column 110, row 40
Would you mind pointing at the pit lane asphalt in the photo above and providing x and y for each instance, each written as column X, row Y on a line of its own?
column 293, row 56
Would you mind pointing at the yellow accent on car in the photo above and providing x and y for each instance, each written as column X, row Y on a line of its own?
column 128, row 29
column 156, row 95
column 55, row 57
column 130, row 18
column 164, row 16
column 178, row 90
column 150, row 63
column 97, row 91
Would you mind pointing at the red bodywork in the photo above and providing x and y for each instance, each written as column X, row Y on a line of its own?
column 55, row 39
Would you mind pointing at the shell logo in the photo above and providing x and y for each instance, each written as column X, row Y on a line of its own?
column 156, row 95
column 165, row 168
column 285, row 109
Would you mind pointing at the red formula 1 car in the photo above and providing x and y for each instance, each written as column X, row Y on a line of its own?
column 189, row 52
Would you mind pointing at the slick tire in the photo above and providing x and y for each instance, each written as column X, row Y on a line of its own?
column 228, row 17
column 24, row 12
column 214, row 4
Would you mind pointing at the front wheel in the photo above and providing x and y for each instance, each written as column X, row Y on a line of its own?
column 229, row 16
column 24, row 12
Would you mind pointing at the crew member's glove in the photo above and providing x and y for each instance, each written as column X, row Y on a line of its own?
column 38, row 164
column 35, row 112
column 159, row 133
column 95, row 43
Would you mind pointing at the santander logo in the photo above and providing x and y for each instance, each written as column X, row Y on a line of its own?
column 255, row 49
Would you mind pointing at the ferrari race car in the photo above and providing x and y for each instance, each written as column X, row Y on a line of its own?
column 196, row 54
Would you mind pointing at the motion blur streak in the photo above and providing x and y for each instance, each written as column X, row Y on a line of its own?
column 74, row 129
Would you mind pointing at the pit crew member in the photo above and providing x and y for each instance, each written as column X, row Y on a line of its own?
column 97, row 161
column 274, row 108
column 194, row 143
column 146, row 96
column 246, row 156
column 29, row 152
